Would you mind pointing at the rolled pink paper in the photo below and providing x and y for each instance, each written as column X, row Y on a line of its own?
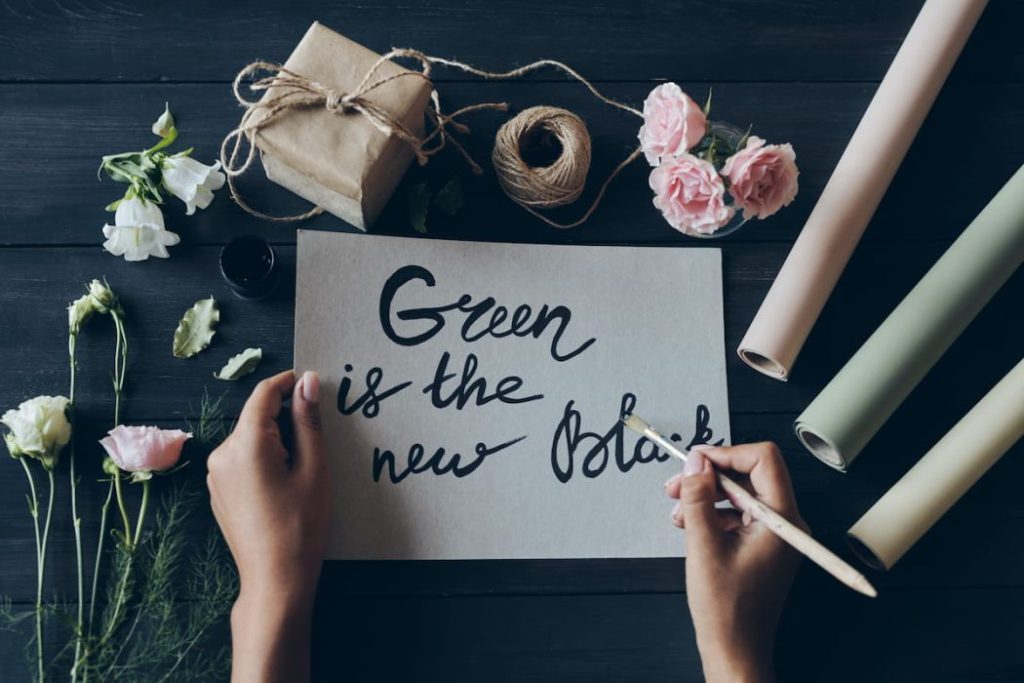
column 857, row 185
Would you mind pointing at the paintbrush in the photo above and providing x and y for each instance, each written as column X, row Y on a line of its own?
column 782, row 527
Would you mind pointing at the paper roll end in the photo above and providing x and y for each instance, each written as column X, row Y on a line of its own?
column 864, row 553
column 820, row 446
column 763, row 364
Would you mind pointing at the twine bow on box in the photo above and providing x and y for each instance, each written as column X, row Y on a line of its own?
column 527, row 187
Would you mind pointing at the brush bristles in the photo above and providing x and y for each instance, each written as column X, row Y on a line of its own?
column 636, row 424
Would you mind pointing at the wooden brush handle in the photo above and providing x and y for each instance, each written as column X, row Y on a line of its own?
column 795, row 536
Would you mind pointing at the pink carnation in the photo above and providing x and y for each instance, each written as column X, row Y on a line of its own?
column 762, row 178
column 690, row 195
column 673, row 124
column 144, row 449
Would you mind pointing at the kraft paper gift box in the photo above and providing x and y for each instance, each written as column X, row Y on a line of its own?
column 340, row 161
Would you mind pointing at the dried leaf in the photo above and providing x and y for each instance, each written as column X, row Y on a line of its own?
column 196, row 328
column 240, row 365
column 449, row 198
column 419, row 202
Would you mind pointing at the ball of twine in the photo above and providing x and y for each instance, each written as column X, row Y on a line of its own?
column 542, row 185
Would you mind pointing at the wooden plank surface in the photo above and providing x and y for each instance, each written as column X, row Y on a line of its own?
column 744, row 40
column 83, row 78
column 645, row 637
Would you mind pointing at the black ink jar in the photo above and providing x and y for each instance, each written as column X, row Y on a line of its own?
column 248, row 266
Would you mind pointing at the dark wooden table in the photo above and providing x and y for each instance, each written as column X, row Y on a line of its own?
column 83, row 78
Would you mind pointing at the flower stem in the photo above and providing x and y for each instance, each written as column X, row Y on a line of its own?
column 72, row 344
column 34, row 511
column 46, row 527
column 124, row 511
column 96, row 567
column 118, row 375
column 99, row 551
column 120, row 360
column 142, row 513
column 77, row 521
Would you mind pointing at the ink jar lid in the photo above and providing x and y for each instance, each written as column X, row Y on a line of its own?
column 248, row 265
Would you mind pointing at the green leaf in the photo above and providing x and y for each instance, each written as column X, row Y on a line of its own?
column 195, row 331
column 240, row 365
column 419, row 202
column 449, row 199
column 707, row 103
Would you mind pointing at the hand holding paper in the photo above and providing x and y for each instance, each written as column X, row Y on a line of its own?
column 273, row 508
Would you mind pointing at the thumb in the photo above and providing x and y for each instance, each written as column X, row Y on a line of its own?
column 308, row 432
column 697, row 495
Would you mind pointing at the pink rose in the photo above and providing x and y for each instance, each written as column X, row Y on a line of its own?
column 673, row 124
column 762, row 178
column 144, row 449
column 690, row 195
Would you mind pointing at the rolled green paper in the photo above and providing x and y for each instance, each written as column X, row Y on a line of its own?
column 912, row 506
column 875, row 381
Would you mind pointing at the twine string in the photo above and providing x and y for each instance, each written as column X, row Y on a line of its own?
column 294, row 91
column 542, row 185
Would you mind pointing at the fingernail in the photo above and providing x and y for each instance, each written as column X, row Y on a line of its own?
column 694, row 463
column 310, row 386
column 702, row 447
column 677, row 510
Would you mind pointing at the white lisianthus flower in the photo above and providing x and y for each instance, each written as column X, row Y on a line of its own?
column 138, row 231
column 39, row 429
column 191, row 181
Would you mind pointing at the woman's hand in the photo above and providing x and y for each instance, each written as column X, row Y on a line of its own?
column 738, row 573
column 274, row 510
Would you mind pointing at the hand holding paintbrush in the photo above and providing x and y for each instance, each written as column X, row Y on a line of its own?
column 770, row 518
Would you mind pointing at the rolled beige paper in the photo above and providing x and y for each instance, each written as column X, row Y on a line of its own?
column 848, row 412
column 903, row 515
column 857, row 185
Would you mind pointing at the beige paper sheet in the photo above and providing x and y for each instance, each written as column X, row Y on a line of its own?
column 473, row 412
column 857, row 185
column 918, row 500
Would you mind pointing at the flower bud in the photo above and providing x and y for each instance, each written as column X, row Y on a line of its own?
column 79, row 312
column 164, row 125
column 102, row 296
column 110, row 467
